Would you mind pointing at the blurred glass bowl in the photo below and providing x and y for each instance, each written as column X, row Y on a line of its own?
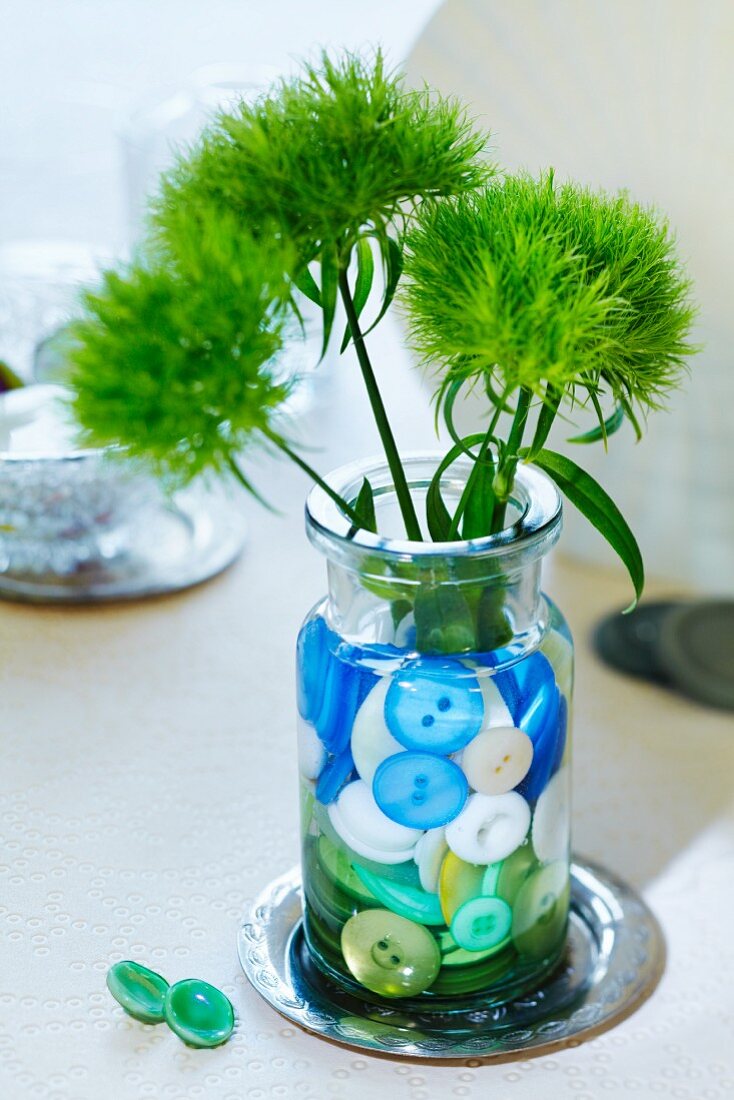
column 63, row 509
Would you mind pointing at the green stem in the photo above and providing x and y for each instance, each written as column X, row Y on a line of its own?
column 303, row 465
column 400, row 482
column 508, row 464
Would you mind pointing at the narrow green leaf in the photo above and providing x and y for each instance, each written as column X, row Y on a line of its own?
column 307, row 285
column 364, row 506
column 599, row 508
column 602, row 431
column 392, row 259
column 438, row 516
column 329, row 287
column 363, row 285
column 546, row 416
column 479, row 507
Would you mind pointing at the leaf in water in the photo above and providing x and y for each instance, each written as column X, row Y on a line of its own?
column 602, row 431
column 443, row 620
column 599, row 508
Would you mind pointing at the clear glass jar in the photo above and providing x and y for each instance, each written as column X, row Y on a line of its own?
column 434, row 690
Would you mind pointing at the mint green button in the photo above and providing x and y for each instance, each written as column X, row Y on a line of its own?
column 389, row 954
column 482, row 924
column 140, row 991
column 199, row 1013
column 408, row 901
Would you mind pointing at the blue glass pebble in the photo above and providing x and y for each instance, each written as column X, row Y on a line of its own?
column 419, row 789
column 434, row 705
column 335, row 773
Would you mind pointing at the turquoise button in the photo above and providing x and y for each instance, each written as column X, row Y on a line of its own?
column 406, row 900
column 389, row 954
column 140, row 991
column 420, row 790
column 482, row 923
column 434, row 705
column 199, row 1013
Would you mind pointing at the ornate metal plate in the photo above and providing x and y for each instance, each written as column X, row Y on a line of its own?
column 614, row 960
column 184, row 541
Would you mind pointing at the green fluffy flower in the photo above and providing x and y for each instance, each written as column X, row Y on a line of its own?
column 525, row 285
column 174, row 360
column 327, row 153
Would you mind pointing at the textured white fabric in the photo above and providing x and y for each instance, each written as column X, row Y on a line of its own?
column 148, row 790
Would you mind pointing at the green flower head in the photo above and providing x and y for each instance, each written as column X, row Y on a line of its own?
column 335, row 149
column 174, row 360
column 526, row 284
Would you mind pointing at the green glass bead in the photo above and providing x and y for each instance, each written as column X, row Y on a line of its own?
column 140, row 991
column 389, row 954
column 199, row 1013
column 408, row 901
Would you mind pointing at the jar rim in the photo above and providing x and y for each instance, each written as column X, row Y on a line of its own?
column 534, row 494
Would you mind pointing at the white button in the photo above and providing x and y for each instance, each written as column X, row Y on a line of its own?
column 489, row 828
column 496, row 712
column 552, row 819
column 362, row 825
column 372, row 741
column 429, row 853
column 559, row 652
column 311, row 752
column 497, row 759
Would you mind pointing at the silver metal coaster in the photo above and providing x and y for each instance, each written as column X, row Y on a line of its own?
column 613, row 962
column 184, row 540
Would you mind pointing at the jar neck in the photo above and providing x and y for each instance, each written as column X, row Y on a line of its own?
column 477, row 596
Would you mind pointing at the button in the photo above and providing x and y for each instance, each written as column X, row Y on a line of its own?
column 491, row 878
column 311, row 752
column 497, row 759
column 429, row 853
column 540, row 911
column 406, row 900
column 140, row 991
column 372, row 741
column 552, row 819
column 338, row 866
column 489, row 828
column 389, row 954
column 420, row 790
column 312, row 658
column 514, row 871
column 435, row 705
column 482, row 924
column 465, row 971
column 345, row 688
column 496, row 711
column 335, row 774
column 199, row 1013
column 362, row 825
column 457, row 883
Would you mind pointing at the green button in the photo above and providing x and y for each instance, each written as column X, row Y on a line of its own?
column 458, row 881
column 474, row 974
column 337, row 864
column 389, row 954
column 482, row 924
column 140, row 991
column 408, row 901
column 514, row 871
column 541, row 911
column 491, row 878
column 199, row 1013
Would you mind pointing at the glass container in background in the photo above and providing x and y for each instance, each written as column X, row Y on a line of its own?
column 434, row 692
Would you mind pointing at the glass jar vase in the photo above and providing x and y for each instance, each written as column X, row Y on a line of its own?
column 434, row 690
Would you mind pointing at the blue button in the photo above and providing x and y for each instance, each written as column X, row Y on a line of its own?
column 312, row 657
column 538, row 709
column 420, row 790
column 335, row 773
column 435, row 705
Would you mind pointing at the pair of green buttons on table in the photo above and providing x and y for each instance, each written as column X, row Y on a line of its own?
column 196, row 1011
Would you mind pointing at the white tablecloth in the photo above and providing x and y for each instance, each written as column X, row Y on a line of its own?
column 148, row 790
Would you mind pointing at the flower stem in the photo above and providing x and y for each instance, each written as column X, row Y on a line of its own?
column 508, row 464
column 400, row 482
